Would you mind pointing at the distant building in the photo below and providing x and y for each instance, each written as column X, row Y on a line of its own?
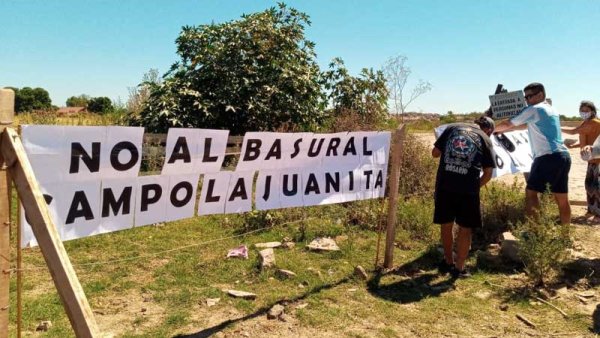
column 70, row 111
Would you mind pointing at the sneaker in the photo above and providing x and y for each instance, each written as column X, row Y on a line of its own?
column 444, row 267
column 464, row 273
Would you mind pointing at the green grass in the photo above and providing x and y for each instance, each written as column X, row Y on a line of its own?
column 180, row 281
column 127, row 271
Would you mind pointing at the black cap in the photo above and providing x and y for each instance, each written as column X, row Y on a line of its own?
column 485, row 122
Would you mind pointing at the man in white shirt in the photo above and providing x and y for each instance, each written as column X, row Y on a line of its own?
column 551, row 159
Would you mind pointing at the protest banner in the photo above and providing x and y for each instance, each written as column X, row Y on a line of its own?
column 94, row 185
column 513, row 151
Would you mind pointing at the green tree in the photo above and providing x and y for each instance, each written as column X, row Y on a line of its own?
column 30, row 99
column 78, row 101
column 366, row 93
column 100, row 105
column 255, row 73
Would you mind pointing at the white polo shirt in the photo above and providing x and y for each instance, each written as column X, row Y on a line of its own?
column 543, row 125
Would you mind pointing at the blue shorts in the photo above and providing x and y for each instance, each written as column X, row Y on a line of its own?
column 553, row 170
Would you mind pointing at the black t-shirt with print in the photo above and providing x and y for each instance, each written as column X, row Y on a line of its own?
column 466, row 149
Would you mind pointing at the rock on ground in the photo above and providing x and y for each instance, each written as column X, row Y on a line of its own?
column 275, row 311
column 323, row 244
column 267, row 258
column 241, row 294
column 509, row 247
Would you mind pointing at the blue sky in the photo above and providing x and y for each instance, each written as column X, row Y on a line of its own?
column 464, row 48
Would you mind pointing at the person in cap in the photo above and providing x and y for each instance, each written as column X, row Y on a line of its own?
column 551, row 159
column 465, row 151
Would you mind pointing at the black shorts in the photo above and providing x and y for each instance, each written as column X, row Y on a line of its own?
column 552, row 169
column 464, row 209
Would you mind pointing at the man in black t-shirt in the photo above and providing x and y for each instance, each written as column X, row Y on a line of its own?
column 465, row 151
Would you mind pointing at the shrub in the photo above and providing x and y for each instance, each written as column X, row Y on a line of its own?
column 418, row 170
column 255, row 73
column 366, row 214
column 503, row 206
column 39, row 117
column 415, row 216
column 543, row 243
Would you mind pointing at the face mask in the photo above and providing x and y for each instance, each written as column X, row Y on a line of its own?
column 585, row 115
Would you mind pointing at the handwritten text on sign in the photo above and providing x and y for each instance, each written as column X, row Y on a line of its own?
column 90, row 175
column 505, row 105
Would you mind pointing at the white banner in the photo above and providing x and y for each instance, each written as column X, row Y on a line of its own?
column 513, row 151
column 90, row 175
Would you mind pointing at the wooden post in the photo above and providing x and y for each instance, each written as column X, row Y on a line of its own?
column 7, row 114
column 393, row 184
column 36, row 211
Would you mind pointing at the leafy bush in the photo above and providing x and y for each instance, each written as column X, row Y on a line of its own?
column 415, row 216
column 356, row 102
column 503, row 206
column 422, row 125
column 255, row 73
column 38, row 117
column 543, row 243
column 418, row 170
column 366, row 214
column 29, row 99
column 101, row 104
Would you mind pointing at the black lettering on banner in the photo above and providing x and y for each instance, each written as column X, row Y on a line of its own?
column 209, row 192
column 296, row 148
column 366, row 152
column 294, row 190
column 275, row 150
column 148, row 199
column 351, row 177
column 252, row 149
column 80, row 207
column 379, row 180
column 206, row 157
column 110, row 203
column 78, row 152
column 189, row 189
column 239, row 190
column 312, row 185
column 116, row 150
column 350, row 148
column 368, row 174
column 265, row 196
column 334, row 143
column 312, row 152
column 516, row 140
column 48, row 200
column 499, row 162
column 331, row 182
column 181, row 151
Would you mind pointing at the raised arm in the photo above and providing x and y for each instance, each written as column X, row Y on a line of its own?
column 504, row 127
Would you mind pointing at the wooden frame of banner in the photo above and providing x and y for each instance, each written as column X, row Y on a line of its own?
column 65, row 280
column 393, row 185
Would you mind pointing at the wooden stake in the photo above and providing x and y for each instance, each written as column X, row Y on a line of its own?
column 19, row 273
column 394, row 183
column 65, row 280
column 7, row 114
